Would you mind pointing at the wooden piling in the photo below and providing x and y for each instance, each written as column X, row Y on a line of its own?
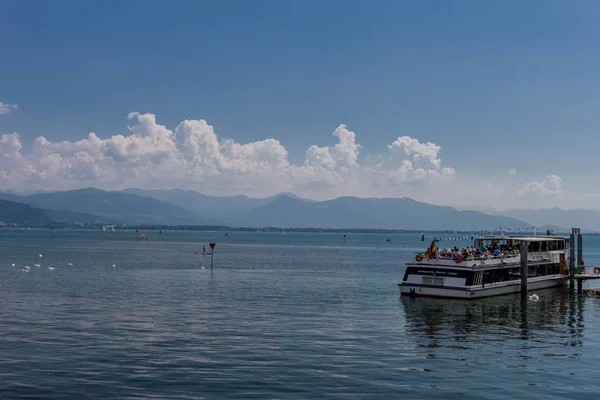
column 524, row 267
column 580, row 253
column 572, row 259
column 580, row 261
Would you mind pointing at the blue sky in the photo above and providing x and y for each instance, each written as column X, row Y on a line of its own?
column 497, row 85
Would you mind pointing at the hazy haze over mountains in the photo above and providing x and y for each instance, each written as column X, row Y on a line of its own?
column 285, row 210
column 87, row 205
column 577, row 218
column 13, row 212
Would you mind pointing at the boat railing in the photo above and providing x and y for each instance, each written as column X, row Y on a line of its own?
column 451, row 256
column 506, row 257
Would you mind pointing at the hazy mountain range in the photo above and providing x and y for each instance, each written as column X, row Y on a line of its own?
column 187, row 207
column 13, row 212
column 98, row 206
column 576, row 218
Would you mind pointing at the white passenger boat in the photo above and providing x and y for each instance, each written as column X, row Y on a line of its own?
column 491, row 267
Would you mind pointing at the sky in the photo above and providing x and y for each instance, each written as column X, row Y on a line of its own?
column 481, row 105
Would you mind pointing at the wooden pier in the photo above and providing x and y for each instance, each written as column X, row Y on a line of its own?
column 580, row 278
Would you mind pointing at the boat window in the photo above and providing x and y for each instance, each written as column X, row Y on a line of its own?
column 488, row 277
column 515, row 273
column 544, row 270
column 431, row 280
column 544, row 246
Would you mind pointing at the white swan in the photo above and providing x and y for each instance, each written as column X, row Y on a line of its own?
column 50, row 268
column 12, row 265
column 534, row 297
column 41, row 256
column 70, row 264
column 37, row 265
column 114, row 265
column 26, row 269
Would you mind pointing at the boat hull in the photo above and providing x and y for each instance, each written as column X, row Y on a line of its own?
column 498, row 289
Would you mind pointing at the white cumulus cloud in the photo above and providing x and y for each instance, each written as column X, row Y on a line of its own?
column 193, row 156
column 512, row 172
column 551, row 186
column 6, row 108
column 411, row 161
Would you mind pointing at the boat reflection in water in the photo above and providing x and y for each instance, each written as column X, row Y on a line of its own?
column 502, row 347
column 555, row 320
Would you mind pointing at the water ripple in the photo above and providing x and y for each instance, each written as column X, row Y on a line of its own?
column 293, row 320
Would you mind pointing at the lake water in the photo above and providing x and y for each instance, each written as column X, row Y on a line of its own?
column 295, row 316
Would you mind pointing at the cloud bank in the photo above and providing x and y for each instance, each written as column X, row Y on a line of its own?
column 193, row 156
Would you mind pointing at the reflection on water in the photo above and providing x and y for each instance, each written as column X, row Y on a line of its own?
column 556, row 320
column 305, row 320
column 506, row 346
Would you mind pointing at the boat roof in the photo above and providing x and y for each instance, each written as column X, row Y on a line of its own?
column 528, row 238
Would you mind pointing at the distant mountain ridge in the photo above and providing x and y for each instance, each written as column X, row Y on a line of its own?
column 288, row 210
column 188, row 207
column 22, row 214
column 92, row 204
column 386, row 213
column 220, row 208
column 588, row 220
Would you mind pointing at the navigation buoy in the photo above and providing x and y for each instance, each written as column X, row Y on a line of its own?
column 212, row 251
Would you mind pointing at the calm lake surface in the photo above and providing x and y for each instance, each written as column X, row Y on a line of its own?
column 281, row 316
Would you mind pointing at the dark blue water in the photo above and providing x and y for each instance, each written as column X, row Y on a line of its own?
column 296, row 316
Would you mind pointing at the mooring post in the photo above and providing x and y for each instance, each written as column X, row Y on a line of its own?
column 572, row 259
column 580, row 266
column 580, row 253
column 524, row 266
